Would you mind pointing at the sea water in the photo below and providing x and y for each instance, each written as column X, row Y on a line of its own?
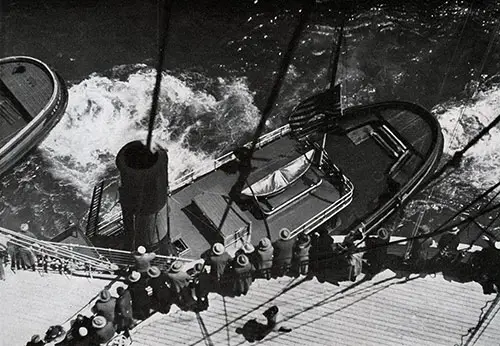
column 217, row 82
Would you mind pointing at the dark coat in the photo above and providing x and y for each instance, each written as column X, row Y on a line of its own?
column 106, row 309
column 218, row 265
column 242, row 278
column 162, row 293
column 124, row 315
column 104, row 334
column 31, row 343
column 283, row 251
column 141, row 301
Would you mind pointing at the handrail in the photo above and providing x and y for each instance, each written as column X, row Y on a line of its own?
column 58, row 250
column 327, row 213
column 95, row 257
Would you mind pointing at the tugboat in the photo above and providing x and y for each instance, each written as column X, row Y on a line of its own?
column 356, row 165
column 33, row 99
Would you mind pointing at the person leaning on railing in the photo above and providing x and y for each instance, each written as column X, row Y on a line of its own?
column 283, row 253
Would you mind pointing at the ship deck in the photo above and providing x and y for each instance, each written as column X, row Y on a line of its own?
column 387, row 310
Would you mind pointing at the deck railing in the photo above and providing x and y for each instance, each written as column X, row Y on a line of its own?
column 329, row 212
column 93, row 258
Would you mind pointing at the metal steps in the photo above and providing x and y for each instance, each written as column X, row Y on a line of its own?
column 95, row 207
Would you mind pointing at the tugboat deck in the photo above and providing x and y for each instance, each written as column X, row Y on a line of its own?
column 190, row 225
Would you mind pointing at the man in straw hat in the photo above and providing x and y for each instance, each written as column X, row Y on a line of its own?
column 248, row 250
column 162, row 294
column 143, row 259
column 218, row 262
column 264, row 258
column 301, row 254
column 283, row 252
column 104, row 330
column 243, row 277
column 105, row 306
column 180, row 282
column 141, row 301
column 83, row 338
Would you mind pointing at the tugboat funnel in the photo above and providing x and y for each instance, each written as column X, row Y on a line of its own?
column 143, row 196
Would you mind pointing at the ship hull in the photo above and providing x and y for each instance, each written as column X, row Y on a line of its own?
column 33, row 99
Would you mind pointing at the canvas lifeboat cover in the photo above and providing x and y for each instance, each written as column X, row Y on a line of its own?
column 279, row 179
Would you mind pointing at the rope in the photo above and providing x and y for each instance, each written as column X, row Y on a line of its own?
column 159, row 70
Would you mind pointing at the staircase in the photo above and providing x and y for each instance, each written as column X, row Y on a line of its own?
column 95, row 207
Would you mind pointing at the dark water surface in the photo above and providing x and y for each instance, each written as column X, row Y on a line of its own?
column 222, row 58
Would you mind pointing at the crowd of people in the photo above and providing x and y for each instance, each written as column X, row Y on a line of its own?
column 150, row 289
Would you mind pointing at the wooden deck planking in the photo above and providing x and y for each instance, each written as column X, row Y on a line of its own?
column 384, row 311
column 31, row 302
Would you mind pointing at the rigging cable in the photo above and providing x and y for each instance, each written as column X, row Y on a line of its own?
column 247, row 153
column 159, row 70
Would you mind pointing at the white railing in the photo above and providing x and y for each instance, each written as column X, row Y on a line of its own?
column 191, row 176
column 61, row 251
column 329, row 212
column 93, row 257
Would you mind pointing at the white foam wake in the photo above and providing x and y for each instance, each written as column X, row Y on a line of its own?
column 460, row 123
column 104, row 114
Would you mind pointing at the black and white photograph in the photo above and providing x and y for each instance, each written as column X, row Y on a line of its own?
column 249, row 172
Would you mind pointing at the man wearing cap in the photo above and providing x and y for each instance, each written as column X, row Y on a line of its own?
column 141, row 301
column 104, row 330
column 248, row 250
column 143, row 259
column 243, row 278
column 105, row 306
column 180, row 282
column 218, row 262
column 283, row 252
column 36, row 340
column 264, row 258
column 162, row 295
column 124, row 316
column 301, row 254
